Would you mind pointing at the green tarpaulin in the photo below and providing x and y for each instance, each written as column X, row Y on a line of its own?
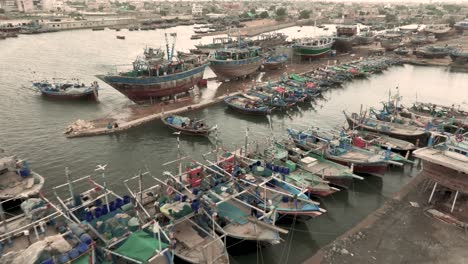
column 297, row 78
column 82, row 260
column 140, row 246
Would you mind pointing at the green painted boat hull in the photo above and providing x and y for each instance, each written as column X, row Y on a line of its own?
column 305, row 51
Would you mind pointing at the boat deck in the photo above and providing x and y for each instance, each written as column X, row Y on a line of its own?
column 439, row 157
column 14, row 185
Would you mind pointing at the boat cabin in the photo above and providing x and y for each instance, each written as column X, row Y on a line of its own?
column 237, row 54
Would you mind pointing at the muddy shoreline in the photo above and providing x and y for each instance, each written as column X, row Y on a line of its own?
column 399, row 232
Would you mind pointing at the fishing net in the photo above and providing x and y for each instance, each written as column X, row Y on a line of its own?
column 140, row 246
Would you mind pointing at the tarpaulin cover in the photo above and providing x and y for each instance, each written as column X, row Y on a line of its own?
column 140, row 246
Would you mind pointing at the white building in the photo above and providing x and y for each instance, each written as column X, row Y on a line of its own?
column 197, row 10
column 8, row 5
column 25, row 6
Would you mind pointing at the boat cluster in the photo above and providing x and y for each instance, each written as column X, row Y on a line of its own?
column 293, row 89
column 240, row 193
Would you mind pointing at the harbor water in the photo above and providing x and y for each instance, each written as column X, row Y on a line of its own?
column 32, row 127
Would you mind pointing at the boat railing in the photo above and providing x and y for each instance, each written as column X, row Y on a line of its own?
column 9, row 234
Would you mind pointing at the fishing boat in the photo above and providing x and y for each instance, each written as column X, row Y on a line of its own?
column 313, row 47
column 288, row 199
column 97, row 28
column 461, row 25
column 269, row 40
column 337, row 174
column 341, row 151
column 437, row 113
column 153, row 78
column 390, row 41
column 195, row 37
column 183, row 217
column 418, row 39
column 246, row 106
column 187, row 126
column 459, row 56
column 374, row 146
column 277, row 158
column 227, row 203
column 432, row 52
column 120, row 37
column 383, row 141
column 218, row 43
column 275, row 62
column 41, row 233
column 365, row 37
column 401, row 51
column 345, row 37
column 121, row 234
column 67, row 90
column 412, row 134
column 440, row 31
column 19, row 183
column 235, row 62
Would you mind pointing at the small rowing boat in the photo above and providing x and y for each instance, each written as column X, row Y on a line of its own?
column 187, row 126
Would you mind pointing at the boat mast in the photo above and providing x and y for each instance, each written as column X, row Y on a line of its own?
column 167, row 46
column 70, row 187
column 174, row 35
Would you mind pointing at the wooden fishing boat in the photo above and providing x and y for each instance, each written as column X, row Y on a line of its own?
column 293, row 202
column 277, row 158
column 440, row 31
column 431, row 52
column 459, row 56
column 235, row 62
column 384, row 142
column 187, row 126
column 120, row 37
column 246, row 106
column 114, row 222
column 235, row 219
column 337, row 174
column 275, row 62
column 183, row 217
column 313, row 47
column 22, row 182
column 461, row 25
column 154, row 76
column 341, row 151
column 419, row 137
column 401, row 51
column 68, row 90
column 390, row 41
column 41, row 233
column 218, row 43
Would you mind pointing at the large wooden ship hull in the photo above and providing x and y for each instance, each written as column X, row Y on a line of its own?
column 389, row 44
column 230, row 69
column 312, row 52
column 145, row 89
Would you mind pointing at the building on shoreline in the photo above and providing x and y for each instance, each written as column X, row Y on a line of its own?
column 91, row 23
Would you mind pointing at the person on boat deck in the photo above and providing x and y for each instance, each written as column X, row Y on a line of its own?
column 116, row 125
column 253, row 211
column 109, row 125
